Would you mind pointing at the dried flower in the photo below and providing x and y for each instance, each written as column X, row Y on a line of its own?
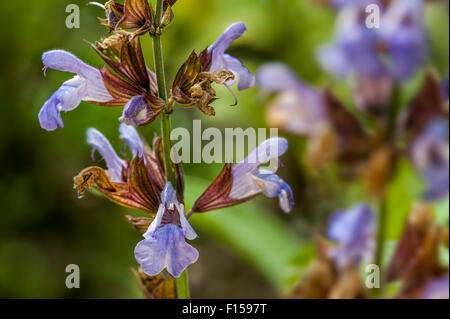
column 135, row 16
column 132, row 83
column 136, row 184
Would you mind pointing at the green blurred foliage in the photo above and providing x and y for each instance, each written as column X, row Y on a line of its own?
column 44, row 227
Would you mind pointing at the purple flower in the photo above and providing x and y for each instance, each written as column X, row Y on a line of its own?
column 164, row 245
column 87, row 85
column 222, row 61
column 344, row 3
column 444, row 89
column 403, row 34
column 430, row 156
column 437, row 289
column 137, row 112
column 299, row 109
column 395, row 49
column 353, row 231
column 249, row 180
column 114, row 163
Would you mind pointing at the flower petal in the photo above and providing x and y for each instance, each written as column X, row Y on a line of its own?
column 272, row 185
column 430, row 155
column 353, row 230
column 267, row 150
column 246, row 78
column 277, row 77
column 131, row 137
column 138, row 112
column 101, row 144
column 165, row 249
column 233, row 32
column 66, row 98
column 222, row 61
column 244, row 183
column 168, row 195
column 437, row 289
column 67, row 62
column 188, row 231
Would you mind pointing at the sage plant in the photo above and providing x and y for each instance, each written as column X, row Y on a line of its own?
column 150, row 181
column 378, row 62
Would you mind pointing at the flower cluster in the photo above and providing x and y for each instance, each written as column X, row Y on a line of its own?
column 369, row 143
column 144, row 182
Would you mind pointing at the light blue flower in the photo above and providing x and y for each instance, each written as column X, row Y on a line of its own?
column 87, row 85
column 353, row 232
column 430, row 156
column 222, row 61
column 249, row 180
column 164, row 245
column 114, row 163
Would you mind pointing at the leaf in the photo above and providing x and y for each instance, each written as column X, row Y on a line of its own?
column 441, row 209
column 404, row 190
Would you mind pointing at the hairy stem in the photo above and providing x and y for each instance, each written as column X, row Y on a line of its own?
column 182, row 281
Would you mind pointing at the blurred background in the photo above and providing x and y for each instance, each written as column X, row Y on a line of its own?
column 248, row 251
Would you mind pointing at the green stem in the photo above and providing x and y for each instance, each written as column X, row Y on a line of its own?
column 381, row 234
column 391, row 122
column 182, row 281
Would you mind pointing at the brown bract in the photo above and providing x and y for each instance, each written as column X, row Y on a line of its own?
column 161, row 286
column 416, row 258
column 353, row 139
column 142, row 181
column 127, row 75
column 193, row 83
column 135, row 17
column 141, row 224
column 426, row 106
column 136, row 191
column 322, row 280
column 216, row 196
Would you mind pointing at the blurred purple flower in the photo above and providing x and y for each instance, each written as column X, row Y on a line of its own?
column 249, row 180
column 353, row 231
column 403, row 34
column 344, row 3
column 222, row 61
column 114, row 163
column 445, row 88
column 87, row 85
column 437, row 289
column 164, row 245
column 430, row 156
column 299, row 108
column 395, row 49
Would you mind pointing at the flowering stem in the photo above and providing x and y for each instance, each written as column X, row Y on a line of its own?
column 391, row 122
column 182, row 281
